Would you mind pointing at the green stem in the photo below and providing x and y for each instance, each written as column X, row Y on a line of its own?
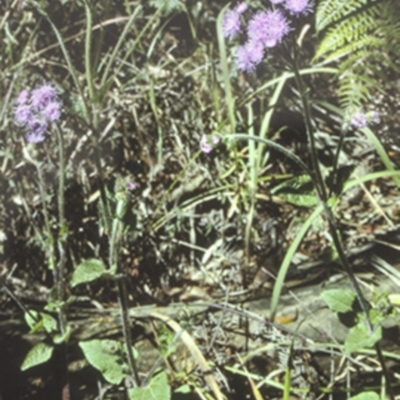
column 323, row 195
column 43, row 192
column 114, row 260
column 343, row 132
column 62, row 233
column 71, row 68
column 88, row 44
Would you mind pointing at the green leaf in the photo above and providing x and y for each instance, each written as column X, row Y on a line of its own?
column 184, row 389
column 34, row 321
column 49, row 323
column 298, row 191
column 366, row 396
column 58, row 339
column 339, row 300
column 88, row 271
column 109, row 363
column 39, row 322
column 359, row 338
column 157, row 389
column 39, row 354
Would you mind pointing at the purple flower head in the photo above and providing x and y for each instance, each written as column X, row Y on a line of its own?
column 297, row 7
column 249, row 55
column 43, row 95
column 231, row 24
column 35, row 138
column 359, row 120
column 38, row 126
column 241, row 8
column 52, row 111
column 374, row 117
column 215, row 139
column 23, row 97
column 36, row 110
column 205, row 145
column 23, row 114
column 268, row 27
column 131, row 185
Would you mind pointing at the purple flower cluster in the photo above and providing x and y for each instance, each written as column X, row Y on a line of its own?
column 360, row 120
column 207, row 145
column 265, row 29
column 36, row 109
column 231, row 20
column 297, row 7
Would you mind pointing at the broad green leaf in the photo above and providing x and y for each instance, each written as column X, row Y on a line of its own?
column 39, row 322
column 104, row 355
column 394, row 299
column 58, row 339
column 298, row 191
column 34, row 321
column 339, row 300
column 88, row 271
column 49, row 323
column 158, row 389
column 185, row 389
column 39, row 354
column 366, row 396
column 359, row 338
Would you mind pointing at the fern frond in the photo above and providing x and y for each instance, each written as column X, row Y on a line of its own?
column 349, row 30
column 362, row 36
column 329, row 11
column 354, row 90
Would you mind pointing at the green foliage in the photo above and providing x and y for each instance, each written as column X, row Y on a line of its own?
column 365, row 396
column 39, row 354
column 360, row 338
column 362, row 35
column 339, row 300
column 88, row 271
column 298, row 191
column 343, row 301
column 108, row 356
column 157, row 389
column 40, row 322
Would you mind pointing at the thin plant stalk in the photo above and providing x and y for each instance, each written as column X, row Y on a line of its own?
column 62, row 233
column 60, row 270
column 43, row 195
column 71, row 68
column 114, row 262
column 323, row 195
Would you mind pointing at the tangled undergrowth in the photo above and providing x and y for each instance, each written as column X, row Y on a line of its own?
column 181, row 196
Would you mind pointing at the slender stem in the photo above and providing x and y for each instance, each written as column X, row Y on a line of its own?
column 114, row 260
column 106, row 79
column 88, row 43
column 63, row 233
column 320, row 186
column 60, row 39
column 43, row 192
column 323, row 195
column 62, row 243
column 343, row 132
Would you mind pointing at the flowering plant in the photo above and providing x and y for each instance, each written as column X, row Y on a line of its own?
column 36, row 109
column 265, row 29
